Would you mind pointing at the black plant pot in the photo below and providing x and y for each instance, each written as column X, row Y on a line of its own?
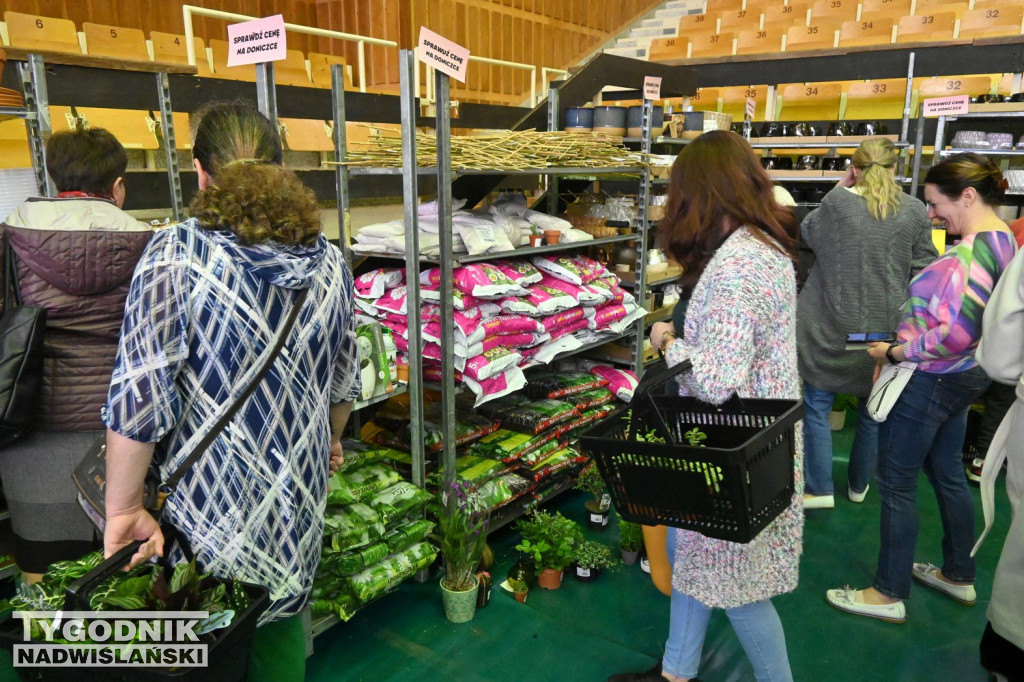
column 597, row 520
column 586, row 575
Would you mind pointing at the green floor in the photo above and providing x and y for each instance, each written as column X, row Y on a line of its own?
column 619, row 623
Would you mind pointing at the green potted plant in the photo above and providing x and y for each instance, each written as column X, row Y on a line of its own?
column 842, row 403
column 462, row 529
column 599, row 506
column 591, row 557
column 552, row 540
column 631, row 540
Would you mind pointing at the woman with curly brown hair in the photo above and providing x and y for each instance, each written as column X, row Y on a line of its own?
column 206, row 301
column 738, row 248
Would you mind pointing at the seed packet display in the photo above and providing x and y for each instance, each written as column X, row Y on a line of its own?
column 538, row 415
column 374, row 283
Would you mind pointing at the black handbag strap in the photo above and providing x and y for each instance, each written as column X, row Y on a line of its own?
column 168, row 486
column 12, row 288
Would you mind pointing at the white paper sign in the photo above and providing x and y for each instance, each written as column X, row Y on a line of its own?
column 256, row 41
column 945, row 106
column 751, row 107
column 442, row 54
column 652, row 87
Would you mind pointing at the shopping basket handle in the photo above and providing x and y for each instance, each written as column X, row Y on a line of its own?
column 654, row 376
column 76, row 597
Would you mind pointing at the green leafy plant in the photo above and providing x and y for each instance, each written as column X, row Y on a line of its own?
column 694, row 437
column 844, row 402
column 590, row 481
column 551, row 539
column 594, row 555
column 631, row 536
column 462, row 524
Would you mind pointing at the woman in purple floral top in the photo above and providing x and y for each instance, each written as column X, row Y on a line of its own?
column 738, row 248
column 939, row 331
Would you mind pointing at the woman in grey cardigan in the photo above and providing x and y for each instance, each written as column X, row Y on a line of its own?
column 869, row 239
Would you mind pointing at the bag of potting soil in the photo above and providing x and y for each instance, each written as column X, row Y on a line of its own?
column 558, row 385
column 508, row 446
column 495, row 408
column 352, row 526
column 573, row 429
column 542, row 452
column 538, row 415
column 351, row 563
column 399, row 501
column 408, row 535
column 472, row 470
column 498, row 492
column 594, row 397
column 357, row 485
column 374, row 581
column 555, row 462
column 359, row 453
column 343, row 605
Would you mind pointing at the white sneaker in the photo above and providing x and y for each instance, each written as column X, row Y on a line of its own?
column 819, row 501
column 845, row 599
column 928, row 575
column 855, row 496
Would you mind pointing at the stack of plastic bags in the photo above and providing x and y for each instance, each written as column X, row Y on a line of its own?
column 375, row 535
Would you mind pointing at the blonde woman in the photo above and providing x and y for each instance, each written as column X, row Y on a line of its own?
column 869, row 238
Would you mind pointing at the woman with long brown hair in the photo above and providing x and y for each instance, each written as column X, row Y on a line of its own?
column 738, row 248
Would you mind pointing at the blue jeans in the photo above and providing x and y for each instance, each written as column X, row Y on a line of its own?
column 757, row 626
column 925, row 431
column 818, row 444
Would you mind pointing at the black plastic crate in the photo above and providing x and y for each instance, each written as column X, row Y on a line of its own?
column 731, row 489
column 227, row 652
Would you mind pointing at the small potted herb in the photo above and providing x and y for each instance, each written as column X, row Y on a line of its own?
column 631, row 540
column 599, row 506
column 591, row 557
column 552, row 540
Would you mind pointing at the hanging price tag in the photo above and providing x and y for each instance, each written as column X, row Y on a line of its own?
column 442, row 54
column 652, row 87
column 260, row 40
column 945, row 106
column 751, row 107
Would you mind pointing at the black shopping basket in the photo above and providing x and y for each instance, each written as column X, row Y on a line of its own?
column 227, row 648
column 730, row 489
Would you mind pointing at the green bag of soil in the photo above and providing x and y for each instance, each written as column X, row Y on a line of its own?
column 358, row 485
column 352, row 526
column 398, row 502
column 374, row 581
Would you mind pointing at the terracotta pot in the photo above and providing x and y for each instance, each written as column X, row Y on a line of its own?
column 520, row 596
column 550, row 579
column 535, row 239
column 403, row 373
column 552, row 236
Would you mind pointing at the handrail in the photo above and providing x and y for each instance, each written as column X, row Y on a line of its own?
column 429, row 95
column 189, row 10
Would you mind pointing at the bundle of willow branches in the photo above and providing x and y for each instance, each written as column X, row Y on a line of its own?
column 511, row 150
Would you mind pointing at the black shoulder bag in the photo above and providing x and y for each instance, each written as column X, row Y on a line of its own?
column 90, row 475
column 21, row 356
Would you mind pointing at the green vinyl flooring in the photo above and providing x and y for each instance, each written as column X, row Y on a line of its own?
column 587, row 631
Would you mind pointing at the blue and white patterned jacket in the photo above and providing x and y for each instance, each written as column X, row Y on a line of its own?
column 201, row 311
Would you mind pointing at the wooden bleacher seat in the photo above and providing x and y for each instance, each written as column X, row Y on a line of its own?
column 115, row 41
column 61, row 118
column 130, row 127
column 870, row 31
column 793, row 14
column 879, row 99
column 948, row 86
column 710, row 44
column 48, row 34
column 171, row 47
column 1005, row 86
column 182, row 130
column 306, row 135
column 759, row 41
column 889, row 8
column 994, row 4
column 723, row 5
column 320, row 68
column 810, row 101
column 734, row 101
column 14, row 149
column 706, row 99
column 820, row 34
column 292, row 70
column 739, row 20
column 219, row 50
column 697, row 22
column 923, row 28
column 838, row 10
column 992, row 21
column 958, row 7
column 667, row 49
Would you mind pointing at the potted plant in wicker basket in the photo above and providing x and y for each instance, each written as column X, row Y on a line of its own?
column 552, row 540
column 591, row 557
column 462, row 526
column 631, row 540
column 599, row 506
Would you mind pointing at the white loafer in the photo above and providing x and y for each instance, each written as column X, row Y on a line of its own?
column 928, row 575
column 845, row 599
column 819, row 501
column 855, row 496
